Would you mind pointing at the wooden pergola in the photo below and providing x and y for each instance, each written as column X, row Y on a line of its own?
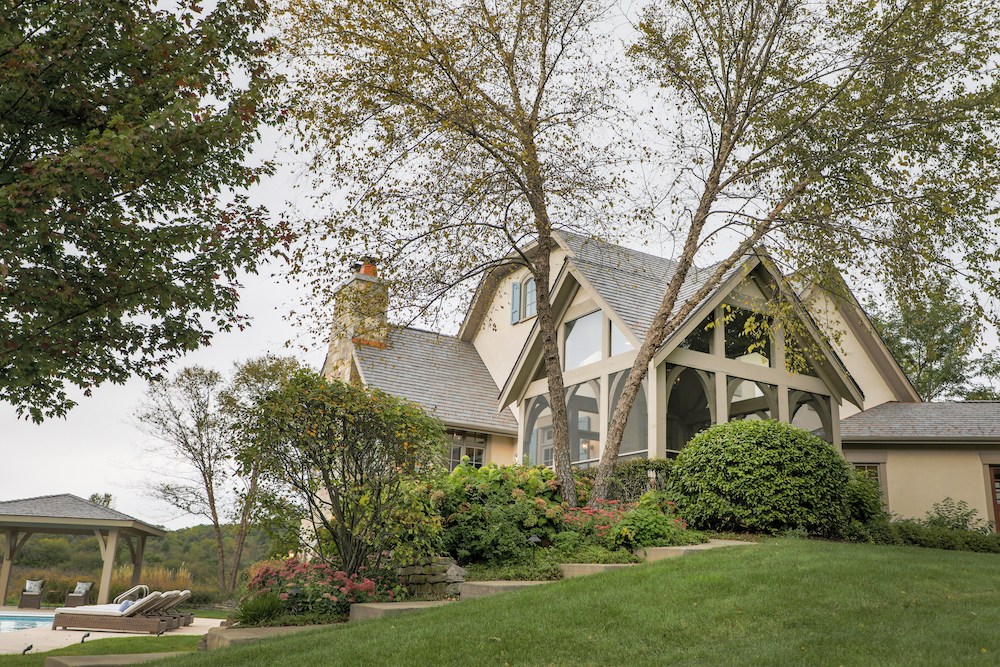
column 67, row 514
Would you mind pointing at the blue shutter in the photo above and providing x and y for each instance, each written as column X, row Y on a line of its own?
column 515, row 303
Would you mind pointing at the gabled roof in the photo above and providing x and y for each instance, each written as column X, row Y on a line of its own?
column 960, row 421
column 633, row 283
column 68, row 512
column 444, row 375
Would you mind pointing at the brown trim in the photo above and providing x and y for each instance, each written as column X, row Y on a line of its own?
column 995, row 493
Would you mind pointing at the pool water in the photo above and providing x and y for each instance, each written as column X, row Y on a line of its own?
column 12, row 623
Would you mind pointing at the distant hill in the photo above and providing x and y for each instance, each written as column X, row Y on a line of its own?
column 192, row 548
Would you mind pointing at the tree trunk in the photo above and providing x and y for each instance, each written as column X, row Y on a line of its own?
column 241, row 533
column 553, row 372
column 220, row 550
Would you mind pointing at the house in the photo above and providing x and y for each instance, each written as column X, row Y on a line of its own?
column 819, row 364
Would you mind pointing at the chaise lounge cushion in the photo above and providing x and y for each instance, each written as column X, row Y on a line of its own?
column 112, row 609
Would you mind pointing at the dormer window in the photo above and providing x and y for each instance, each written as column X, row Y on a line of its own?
column 522, row 300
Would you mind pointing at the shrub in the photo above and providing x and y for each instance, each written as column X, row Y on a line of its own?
column 652, row 523
column 864, row 499
column 316, row 588
column 760, row 476
column 630, row 479
column 956, row 516
column 259, row 609
column 490, row 512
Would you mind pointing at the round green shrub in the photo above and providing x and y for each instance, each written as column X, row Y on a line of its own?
column 760, row 476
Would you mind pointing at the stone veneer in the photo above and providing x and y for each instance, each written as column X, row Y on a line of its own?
column 432, row 576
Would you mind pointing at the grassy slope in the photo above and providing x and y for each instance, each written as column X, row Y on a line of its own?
column 784, row 602
column 107, row 647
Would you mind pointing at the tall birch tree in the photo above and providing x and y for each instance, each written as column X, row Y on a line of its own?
column 839, row 136
column 459, row 134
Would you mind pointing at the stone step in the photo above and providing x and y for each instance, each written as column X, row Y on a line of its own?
column 107, row 660
column 571, row 570
column 653, row 554
column 480, row 589
column 366, row 610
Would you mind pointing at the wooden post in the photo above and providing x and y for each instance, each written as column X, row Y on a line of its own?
column 12, row 547
column 137, row 556
column 109, row 546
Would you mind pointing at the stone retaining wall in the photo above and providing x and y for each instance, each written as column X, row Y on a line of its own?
column 432, row 576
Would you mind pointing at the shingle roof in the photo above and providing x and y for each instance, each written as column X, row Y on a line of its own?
column 64, row 506
column 925, row 421
column 441, row 373
column 632, row 282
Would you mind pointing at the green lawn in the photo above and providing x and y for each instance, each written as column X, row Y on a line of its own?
column 106, row 647
column 785, row 602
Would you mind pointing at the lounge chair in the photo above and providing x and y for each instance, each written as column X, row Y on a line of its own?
column 80, row 595
column 111, row 617
column 31, row 594
column 158, row 609
column 173, row 608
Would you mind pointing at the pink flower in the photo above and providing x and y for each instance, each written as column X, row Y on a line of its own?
column 283, row 596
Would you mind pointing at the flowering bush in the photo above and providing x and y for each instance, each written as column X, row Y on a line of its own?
column 317, row 588
column 653, row 521
column 596, row 522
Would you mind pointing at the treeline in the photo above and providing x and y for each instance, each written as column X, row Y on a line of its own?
column 193, row 549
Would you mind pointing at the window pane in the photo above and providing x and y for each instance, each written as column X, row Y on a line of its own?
column 748, row 337
column 538, row 432
column 700, row 340
column 635, row 438
column 529, row 299
column 619, row 343
column 584, row 421
column 583, row 340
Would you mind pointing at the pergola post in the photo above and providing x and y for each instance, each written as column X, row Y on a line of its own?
column 11, row 548
column 137, row 556
column 109, row 546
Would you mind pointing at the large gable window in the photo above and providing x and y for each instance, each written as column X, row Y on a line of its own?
column 522, row 300
column 748, row 337
column 619, row 343
column 583, row 340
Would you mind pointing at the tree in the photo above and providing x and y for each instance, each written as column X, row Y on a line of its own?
column 195, row 415
column 987, row 368
column 343, row 454
column 931, row 338
column 855, row 136
column 120, row 125
column 105, row 499
column 457, row 132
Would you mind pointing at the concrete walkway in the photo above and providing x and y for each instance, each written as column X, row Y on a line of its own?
column 46, row 639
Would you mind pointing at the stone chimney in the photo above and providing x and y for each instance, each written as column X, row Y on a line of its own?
column 359, row 319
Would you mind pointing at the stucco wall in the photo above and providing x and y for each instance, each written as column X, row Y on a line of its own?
column 498, row 341
column 501, row 450
column 850, row 351
column 916, row 478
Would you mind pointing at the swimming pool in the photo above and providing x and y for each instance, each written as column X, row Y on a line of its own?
column 10, row 623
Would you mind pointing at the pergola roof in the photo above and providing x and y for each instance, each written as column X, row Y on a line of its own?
column 69, row 514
